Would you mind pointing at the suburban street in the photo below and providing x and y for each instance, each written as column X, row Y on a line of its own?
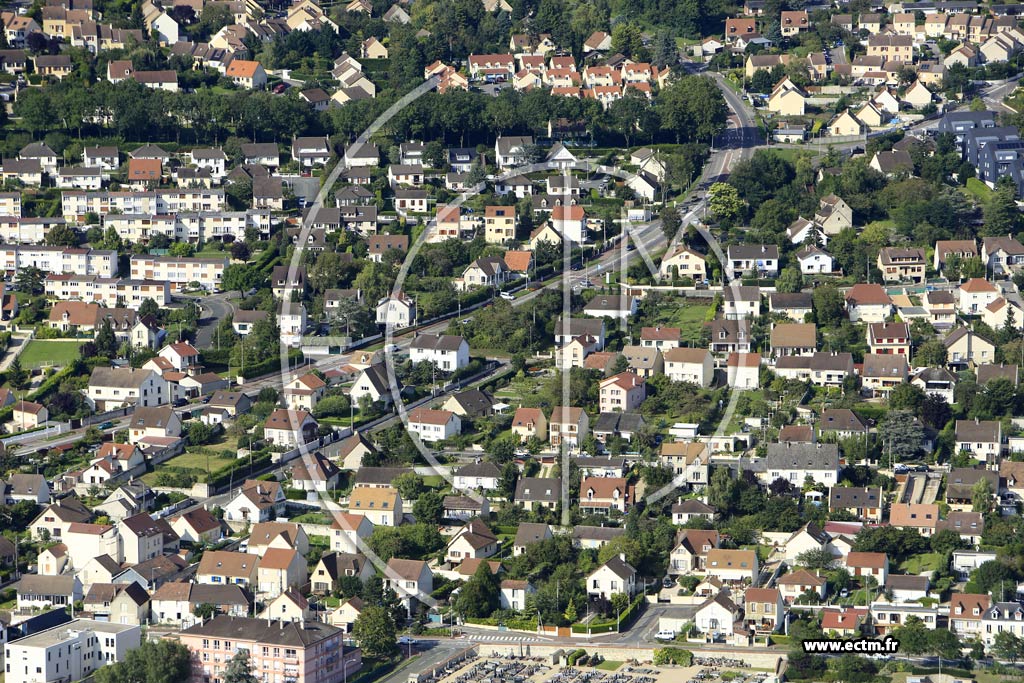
column 994, row 94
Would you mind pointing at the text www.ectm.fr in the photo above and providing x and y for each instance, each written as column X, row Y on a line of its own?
column 888, row 645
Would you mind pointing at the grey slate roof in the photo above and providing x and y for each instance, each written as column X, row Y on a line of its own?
column 803, row 456
column 288, row 634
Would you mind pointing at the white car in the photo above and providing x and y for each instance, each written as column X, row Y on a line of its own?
column 665, row 634
column 508, row 296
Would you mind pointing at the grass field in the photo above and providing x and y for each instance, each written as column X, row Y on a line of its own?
column 790, row 153
column 689, row 318
column 49, row 352
column 197, row 462
column 609, row 665
column 928, row 562
column 978, row 189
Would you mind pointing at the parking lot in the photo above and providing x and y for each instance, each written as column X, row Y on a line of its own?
column 518, row 669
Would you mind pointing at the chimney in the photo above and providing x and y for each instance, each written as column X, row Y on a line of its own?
column 976, row 421
column 622, row 556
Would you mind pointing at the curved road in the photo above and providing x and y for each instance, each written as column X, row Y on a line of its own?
column 735, row 144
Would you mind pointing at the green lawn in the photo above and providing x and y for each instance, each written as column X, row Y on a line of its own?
column 790, row 153
column 49, row 352
column 434, row 481
column 918, row 564
column 689, row 318
column 312, row 518
column 978, row 189
column 196, row 462
column 609, row 665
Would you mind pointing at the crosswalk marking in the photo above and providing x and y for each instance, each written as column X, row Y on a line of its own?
column 504, row 639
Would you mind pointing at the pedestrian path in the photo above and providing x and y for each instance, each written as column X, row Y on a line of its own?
column 497, row 638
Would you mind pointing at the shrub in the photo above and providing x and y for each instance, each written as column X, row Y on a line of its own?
column 673, row 655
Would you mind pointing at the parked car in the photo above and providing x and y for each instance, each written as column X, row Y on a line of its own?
column 665, row 634
column 508, row 296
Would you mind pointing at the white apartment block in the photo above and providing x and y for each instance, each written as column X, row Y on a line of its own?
column 69, row 652
column 179, row 271
column 17, row 230
column 78, row 261
column 190, row 227
column 110, row 292
column 75, row 204
column 10, row 203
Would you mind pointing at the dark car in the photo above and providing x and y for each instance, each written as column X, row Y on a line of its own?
column 179, row 402
column 280, row 88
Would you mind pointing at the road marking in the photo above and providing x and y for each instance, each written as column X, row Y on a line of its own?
column 504, row 639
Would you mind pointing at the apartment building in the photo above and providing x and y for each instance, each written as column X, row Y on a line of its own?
column 180, row 272
column 78, row 261
column 26, row 230
column 190, row 227
column 301, row 651
column 75, row 204
column 109, row 292
column 69, row 652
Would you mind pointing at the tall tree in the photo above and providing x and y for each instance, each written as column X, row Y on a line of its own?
column 1001, row 215
column 239, row 669
column 981, row 496
column 670, row 222
column 725, row 202
column 375, row 631
column 106, row 342
column 161, row 661
column 829, row 305
column 901, row 435
column 481, row 595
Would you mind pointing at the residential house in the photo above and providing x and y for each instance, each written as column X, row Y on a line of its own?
column 865, row 503
column 966, row 348
column 434, row 425
column 875, row 565
column 921, row 517
column 614, row 576
column 792, row 585
column 622, row 392
column 902, row 264
column 536, row 492
column 447, row 352
column 982, row 439
column 732, row 566
column 256, row 501
column 868, row 303
column 568, row 425
column 600, row 495
column 383, row 506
